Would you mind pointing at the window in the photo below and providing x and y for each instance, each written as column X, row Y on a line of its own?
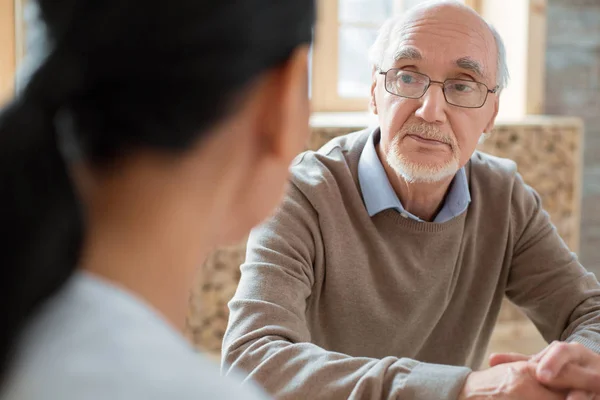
column 346, row 29
column 340, row 71
column 358, row 22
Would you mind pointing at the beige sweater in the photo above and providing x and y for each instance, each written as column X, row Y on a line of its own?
column 334, row 304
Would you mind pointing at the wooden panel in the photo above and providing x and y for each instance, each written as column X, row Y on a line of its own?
column 536, row 62
column 7, row 49
column 474, row 4
column 325, row 56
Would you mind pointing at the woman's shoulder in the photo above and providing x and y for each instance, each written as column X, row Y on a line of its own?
column 94, row 340
column 169, row 379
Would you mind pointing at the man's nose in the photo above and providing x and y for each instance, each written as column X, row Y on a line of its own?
column 433, row 104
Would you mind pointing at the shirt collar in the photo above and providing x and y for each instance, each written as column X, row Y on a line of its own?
column 379, row 195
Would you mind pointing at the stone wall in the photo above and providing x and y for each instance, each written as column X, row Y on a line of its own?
column 573, row 88
column 548, row 152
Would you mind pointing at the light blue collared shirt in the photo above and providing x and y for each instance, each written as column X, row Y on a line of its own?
column 379, row 195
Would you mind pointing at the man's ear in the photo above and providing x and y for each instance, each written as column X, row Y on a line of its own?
column 285, row 111
column 490, row 125
column 373, row 101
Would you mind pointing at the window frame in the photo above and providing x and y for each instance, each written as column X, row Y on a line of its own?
column 325, row 60
column 8, row 44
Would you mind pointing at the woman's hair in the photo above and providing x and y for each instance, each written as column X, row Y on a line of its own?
column 117, row 75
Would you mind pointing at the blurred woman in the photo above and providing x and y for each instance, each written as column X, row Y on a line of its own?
column 149, row 133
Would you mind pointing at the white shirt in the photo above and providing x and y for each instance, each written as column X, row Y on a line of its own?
column 94, row 340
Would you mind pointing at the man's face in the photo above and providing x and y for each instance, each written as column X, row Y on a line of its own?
column 427, row 139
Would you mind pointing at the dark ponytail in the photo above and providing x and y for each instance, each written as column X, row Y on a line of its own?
column 40, row 223
column 117, row 75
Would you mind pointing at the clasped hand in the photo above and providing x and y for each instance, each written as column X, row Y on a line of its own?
column 562, row 371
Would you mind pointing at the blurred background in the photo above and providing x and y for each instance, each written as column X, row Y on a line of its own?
column 549, row 121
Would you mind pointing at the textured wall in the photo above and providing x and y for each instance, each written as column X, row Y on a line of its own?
column 573, row 88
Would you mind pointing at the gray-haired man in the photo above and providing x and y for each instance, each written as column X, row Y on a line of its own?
column 382, row 274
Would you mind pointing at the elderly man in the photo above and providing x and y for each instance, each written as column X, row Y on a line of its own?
column 382, row 274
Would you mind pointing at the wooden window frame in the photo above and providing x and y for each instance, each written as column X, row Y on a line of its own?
column 325, row 60
column 526, row 53
column 8, row 46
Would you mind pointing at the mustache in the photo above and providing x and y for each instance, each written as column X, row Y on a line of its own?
column 427, row 131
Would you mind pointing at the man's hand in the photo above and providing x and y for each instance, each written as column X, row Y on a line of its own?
column 563, row 366
column 503, row 358
column 510, row 381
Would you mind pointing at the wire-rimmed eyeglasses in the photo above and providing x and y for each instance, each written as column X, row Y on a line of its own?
column 458, row 92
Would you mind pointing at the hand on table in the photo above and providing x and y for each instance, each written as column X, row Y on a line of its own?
column 562, row 366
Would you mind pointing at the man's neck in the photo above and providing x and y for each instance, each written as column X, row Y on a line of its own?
column 421, row 199
column 424, row 200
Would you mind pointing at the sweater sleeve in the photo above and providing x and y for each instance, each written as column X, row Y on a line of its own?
column 268, row 337
column 546, row 279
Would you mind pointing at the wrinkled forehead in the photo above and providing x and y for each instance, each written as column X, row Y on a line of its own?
column 444, row 40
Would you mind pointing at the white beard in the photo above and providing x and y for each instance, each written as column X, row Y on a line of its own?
column 419, row 173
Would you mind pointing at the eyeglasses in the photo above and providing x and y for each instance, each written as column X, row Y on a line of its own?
column 458, row 92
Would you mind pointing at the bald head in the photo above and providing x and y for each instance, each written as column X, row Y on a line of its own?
column 478, row 49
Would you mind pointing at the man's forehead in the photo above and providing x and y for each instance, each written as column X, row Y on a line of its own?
column 468, row 63
column 438, row 33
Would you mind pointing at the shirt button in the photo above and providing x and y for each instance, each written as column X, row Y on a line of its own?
column 404, row 215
